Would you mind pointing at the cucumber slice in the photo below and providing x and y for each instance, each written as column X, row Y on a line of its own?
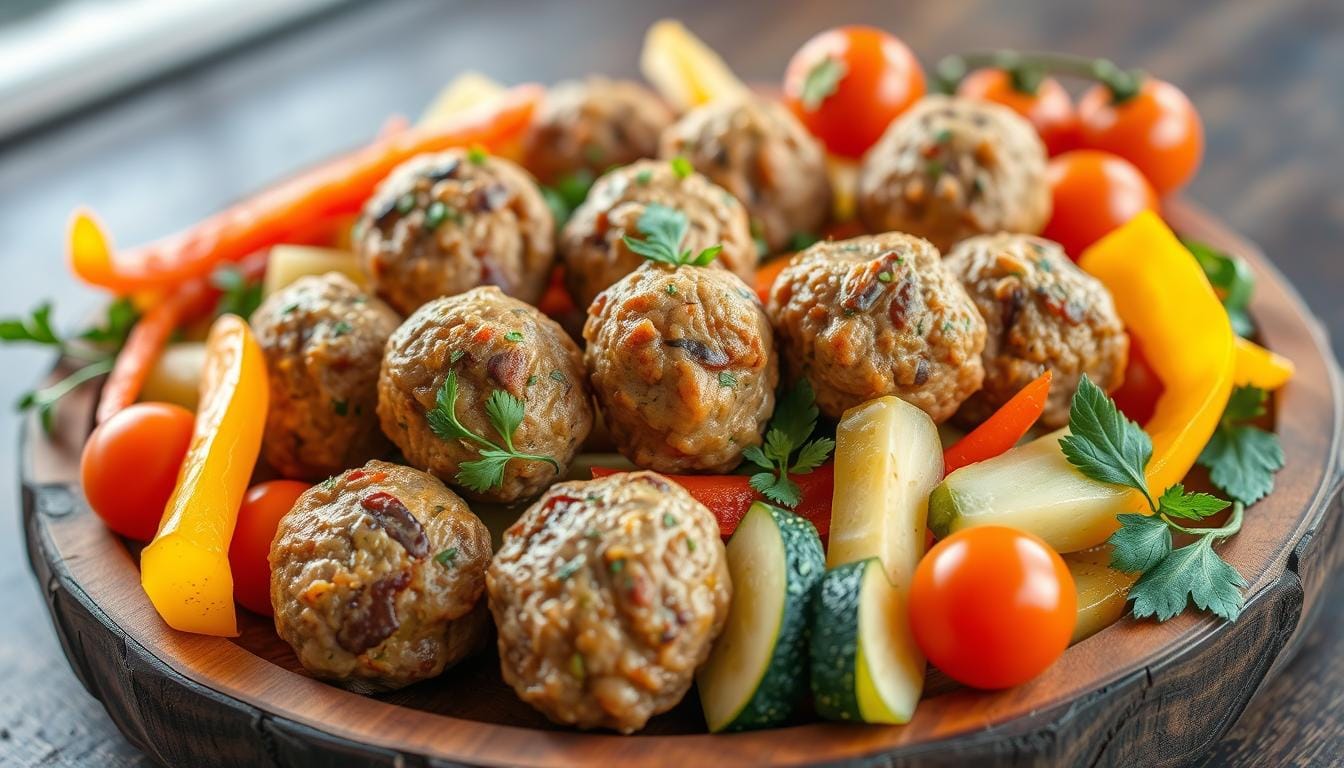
column 887, row 459
column 1032, row 488
column 757, row 672
column 866, row 666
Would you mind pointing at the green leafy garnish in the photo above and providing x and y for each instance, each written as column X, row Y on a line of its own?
column 477, row 154
column 821, row 81
column 447, row 558
column 1242, row 458
column 682, row 167
column 567, row 194
column 238, row 295
column 1107, row 447
column 505, row 413
column 791, row 425
column 664, row 229
column 1233, row 280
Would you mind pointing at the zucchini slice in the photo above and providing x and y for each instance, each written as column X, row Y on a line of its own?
column 866, row 666
column 757, row 672
column 1032, row 488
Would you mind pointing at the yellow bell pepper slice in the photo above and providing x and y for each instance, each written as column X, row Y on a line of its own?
column 685, row 70
column 1167, row 303
column 1259, row 367
column 185, row 570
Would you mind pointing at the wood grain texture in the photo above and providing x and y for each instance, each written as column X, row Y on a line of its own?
column 1160, row 694
column 1264, row 75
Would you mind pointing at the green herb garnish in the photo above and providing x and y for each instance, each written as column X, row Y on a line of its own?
column 448, row 557
column 505, row 413
column 477, row 154
column 664, row 229
column 1232, row 279
column 821, row 81
column 567, row 194
column 794, row 420
column 1242, row 458
column 514, row 336
column 682, row 167
column 1107, row 447
column 727, row 379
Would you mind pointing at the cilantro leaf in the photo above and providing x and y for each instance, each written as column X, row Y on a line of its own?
column 1141, row 542
column 1242, row 458
column 755, row 455
column 35, row 328
column 796, row 413
column 486, row 472
column 811, row 455
column 443, row 417
column 1102, row 443
column 664, row 229
column 821, row 81
column 792, row 423
column 1175, row 502
column 1193, row 572
column 505, row 413
column 781, row 490
column 238, row 295
column 1231, row 278
column 120, row 318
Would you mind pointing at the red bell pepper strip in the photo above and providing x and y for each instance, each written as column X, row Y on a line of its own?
column 336, row 188
column 730, row 496
column 1137, row 395
column 1003, row 429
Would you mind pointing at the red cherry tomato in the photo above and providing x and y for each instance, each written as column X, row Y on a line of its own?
column 847, row 84
column 1093, row 193
column 1158, row 130
column 263, row 506
column 130, row 463
column 1049, row 109
column 992, row 606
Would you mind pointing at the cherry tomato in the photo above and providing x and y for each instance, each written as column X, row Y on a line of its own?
column 847, row 84
column 263, row 506
column 1138, row 393
column 1158, row 130
column 130, row 463
column 1049, row 109
column 992, row 606
column 1094, row 192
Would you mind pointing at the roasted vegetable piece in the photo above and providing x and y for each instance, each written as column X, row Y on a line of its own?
column 275, row 215
column 185, row 570
column 1003, row 429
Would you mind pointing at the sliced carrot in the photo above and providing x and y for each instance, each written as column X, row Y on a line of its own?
column 766, row 274
column 1003, row 429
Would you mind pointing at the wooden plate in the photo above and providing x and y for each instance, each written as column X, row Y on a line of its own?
column 1135, row 692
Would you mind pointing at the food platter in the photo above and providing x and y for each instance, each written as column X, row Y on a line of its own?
column 1161, row 691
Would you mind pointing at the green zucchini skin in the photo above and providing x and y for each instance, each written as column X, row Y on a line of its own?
column 835, row 641
column 782, row 688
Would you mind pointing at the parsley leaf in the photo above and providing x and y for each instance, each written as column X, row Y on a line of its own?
column 1193, row 572
column 505, row 413
column 1175, row 502
column 238, row 295
column 664, row 229
column 1242, row 458
column 821, row 81
column 792, row 423
column 1141, row 543
column 1231, row 278
column 1102, row 443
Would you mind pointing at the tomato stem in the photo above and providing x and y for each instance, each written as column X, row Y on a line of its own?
column 1027, row 69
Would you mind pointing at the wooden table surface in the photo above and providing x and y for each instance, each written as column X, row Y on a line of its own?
column 1264, row 75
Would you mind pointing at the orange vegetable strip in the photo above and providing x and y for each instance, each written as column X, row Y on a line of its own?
column 730, row 496
column 1003, row 429
column 272, row 216
column 766, row 274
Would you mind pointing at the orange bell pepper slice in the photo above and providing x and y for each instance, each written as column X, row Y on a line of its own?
column 337, row 188
column 1003, row 429
column 185, row 570
column 1259, row 367
column 730, row 496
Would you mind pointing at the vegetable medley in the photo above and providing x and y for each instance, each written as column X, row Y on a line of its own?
column 918, row 347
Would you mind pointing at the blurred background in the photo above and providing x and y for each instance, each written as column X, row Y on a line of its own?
column 156, row 113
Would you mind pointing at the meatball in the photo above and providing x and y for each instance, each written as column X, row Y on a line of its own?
column 952, row 168
column 445, row 223
column 592, row 244
column 878, row 315
column 323, row 338
column 489, row 344
column 588, row 126
column 607, row 595
column 376, row 578
column 1042, row 312
column 757, row 150
column 683, row 367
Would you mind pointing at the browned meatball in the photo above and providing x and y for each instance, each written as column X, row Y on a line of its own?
column 757, row 150
column 587, row 126
column 323, row 338
column 376, row 578
column 445, row 223
column 607, row 595
column 490, row 343
column 951, row 168
column 878, row 315
column 592, row 244
column 683, row 367
column 1042, row 312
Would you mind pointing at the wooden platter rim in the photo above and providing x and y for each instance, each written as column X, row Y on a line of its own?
column 434, row 735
